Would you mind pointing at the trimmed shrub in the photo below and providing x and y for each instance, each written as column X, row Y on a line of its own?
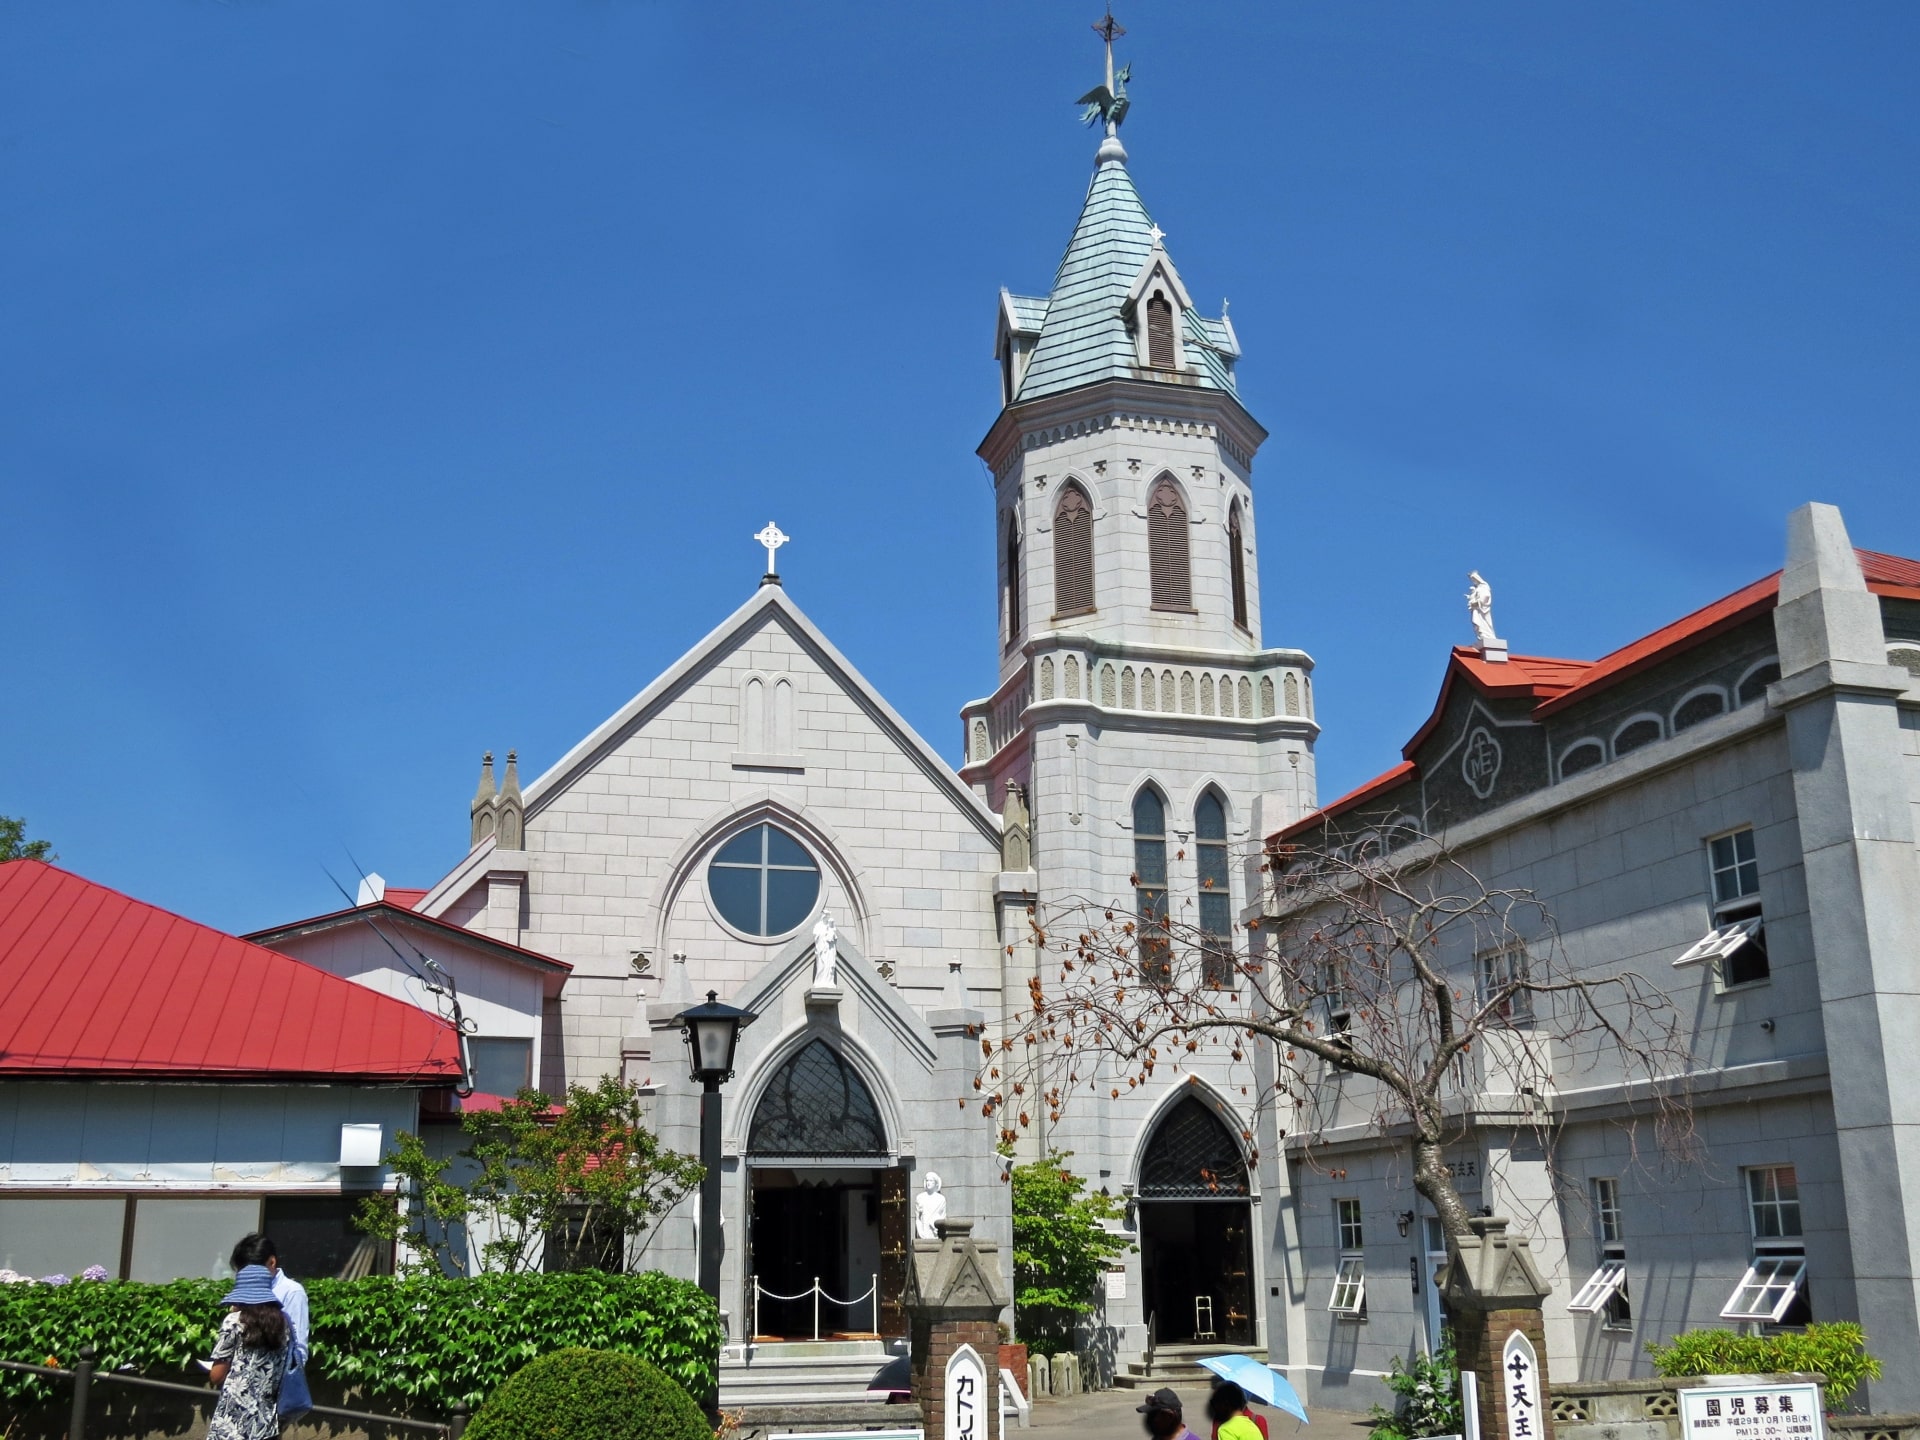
column 1837, row 1351
column 589, row 1395
column 407, row 1344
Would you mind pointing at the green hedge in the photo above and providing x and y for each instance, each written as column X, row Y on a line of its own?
column 1837, row 1351
column 405, row 1343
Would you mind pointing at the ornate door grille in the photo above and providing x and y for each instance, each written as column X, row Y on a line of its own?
column 817, row 1107
column 1192, row 1157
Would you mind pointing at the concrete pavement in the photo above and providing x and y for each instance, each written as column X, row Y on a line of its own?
column 1108, row 1415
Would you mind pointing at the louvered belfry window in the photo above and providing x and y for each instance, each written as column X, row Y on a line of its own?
column 1073, row 552
column 1159, row 333
column 1172, row 573
column 1237, row 554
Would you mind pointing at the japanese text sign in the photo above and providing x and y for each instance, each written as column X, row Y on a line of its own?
column 1752, row 1412
column 967, row 1406
column 1520, row 1379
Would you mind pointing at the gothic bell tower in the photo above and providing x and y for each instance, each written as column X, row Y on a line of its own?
column 1132, row 658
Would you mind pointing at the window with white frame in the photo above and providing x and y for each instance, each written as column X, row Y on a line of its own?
column 1503, row 977
column 1349, row 1296
column 1774, row 1289
column 1605, row 1292
column 1353, row 1235
column 1737, row 938
column 1339, row 1005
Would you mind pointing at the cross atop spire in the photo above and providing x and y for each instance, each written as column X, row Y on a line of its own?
column 1107, row 29
column 1108, row 102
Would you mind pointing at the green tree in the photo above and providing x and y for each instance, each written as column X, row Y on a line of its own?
column 14, row 844
column 564, row 1186
column 1061, row 1246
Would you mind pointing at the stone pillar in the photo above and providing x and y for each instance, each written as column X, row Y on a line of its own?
column 1856, row 828
column 955, row 1297
column 1495, row 1290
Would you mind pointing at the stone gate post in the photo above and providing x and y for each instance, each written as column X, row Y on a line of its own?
column 955, row 1296
column 1494, row 1290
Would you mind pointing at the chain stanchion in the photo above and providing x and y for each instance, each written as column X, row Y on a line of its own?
column 872, row 1293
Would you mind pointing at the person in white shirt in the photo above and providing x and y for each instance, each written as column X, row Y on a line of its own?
column 292, row 1295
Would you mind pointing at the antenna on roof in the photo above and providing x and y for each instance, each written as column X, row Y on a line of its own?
column 442, row 988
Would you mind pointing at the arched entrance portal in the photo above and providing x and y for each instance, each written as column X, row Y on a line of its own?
column 1196, row 1230
column 824, row 1205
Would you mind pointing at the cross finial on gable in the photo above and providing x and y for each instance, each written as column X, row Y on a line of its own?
column 1157, row 235
column 772, row 538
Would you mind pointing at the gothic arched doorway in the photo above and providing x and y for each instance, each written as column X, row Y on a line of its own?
column 1196, row 1230
column 823, row 1205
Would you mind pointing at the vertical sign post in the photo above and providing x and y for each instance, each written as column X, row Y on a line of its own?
column 966, row 1398
column 1520, row 1378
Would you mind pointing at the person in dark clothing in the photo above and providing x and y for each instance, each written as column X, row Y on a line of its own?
column 1161, row 1417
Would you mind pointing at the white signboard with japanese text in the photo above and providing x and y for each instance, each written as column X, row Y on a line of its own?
column 1116, row 1284
column 969, row 1404
column 1520, row 1378
column 1752, row 1412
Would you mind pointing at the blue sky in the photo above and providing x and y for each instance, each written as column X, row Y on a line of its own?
column 380, row 384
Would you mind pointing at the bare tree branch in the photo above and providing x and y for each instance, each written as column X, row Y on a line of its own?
column 1451, row 999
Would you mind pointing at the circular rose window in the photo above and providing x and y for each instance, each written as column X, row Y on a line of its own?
column 763, row 881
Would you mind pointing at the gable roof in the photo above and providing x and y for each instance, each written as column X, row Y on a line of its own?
column 403, row 917
column 99, row 985
column 769, row 603
column 1556, row 685
column 1083, row 330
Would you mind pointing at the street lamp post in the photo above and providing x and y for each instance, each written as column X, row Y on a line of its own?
column 712, row 1031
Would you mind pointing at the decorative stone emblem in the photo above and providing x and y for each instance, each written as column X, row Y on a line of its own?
column 1480, row 763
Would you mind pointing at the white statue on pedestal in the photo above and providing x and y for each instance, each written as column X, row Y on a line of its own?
column 826, row 955
column 1480, row 609
column 929, row 1209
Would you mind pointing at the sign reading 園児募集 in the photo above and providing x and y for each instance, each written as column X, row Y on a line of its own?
column 1752, row 1412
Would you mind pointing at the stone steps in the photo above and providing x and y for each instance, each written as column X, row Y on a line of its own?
column 819, row 1372
column 1176, row 1365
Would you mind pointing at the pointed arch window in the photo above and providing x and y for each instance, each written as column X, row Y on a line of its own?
column 817, row 1105
column 1192, row 1156
column 1170, row 570
column 1013, row 580
column 1159, row 332
column 1216, row 892
column 1073, row 552
column 1150, row 887
column 1237, row 559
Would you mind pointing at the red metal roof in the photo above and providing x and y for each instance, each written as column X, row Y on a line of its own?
column 1557, row 684
column 98, row 985
column 405, row 899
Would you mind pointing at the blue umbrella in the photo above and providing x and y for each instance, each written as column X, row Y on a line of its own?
column 1259, row 1380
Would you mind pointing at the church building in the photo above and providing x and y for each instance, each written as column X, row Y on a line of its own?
column 758, row 822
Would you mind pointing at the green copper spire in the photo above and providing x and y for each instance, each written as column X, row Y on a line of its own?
column 1086, row 327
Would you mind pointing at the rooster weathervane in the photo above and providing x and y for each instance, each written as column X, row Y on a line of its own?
column 1108, row 102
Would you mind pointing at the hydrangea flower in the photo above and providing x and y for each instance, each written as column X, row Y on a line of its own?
column 14, row 1277
column 94, row 1272
column 56, row 1279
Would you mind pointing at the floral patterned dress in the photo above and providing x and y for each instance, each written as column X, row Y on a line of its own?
column 249, row 1407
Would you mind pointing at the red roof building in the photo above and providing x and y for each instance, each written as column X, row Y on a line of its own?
column 1551, row 687
column 101, row 985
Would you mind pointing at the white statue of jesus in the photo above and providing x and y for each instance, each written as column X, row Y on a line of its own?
column 929, row 1209
column 826, row 955
column 1480, row 609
